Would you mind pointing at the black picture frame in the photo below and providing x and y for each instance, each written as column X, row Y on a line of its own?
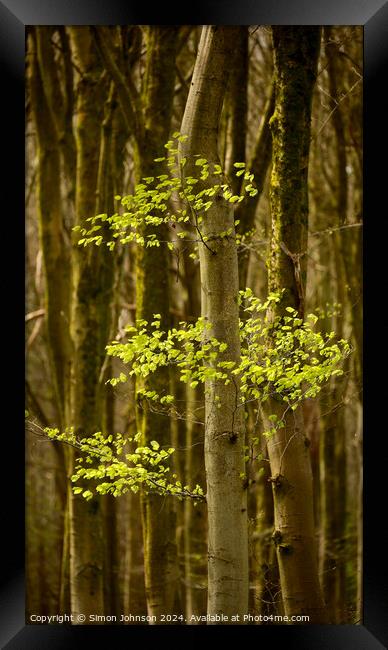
column 14, row 16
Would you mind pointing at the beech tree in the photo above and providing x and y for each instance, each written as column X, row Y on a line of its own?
column 225, row 430
column 168, row 168
column 296, row 54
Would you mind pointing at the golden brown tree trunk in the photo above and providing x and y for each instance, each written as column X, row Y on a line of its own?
column 259, row 165
column 148, row 118
column 296, row 54
column 225, row 430
column 89, row 326
column 55, row 247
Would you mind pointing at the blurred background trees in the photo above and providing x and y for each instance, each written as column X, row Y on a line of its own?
column 100, row 104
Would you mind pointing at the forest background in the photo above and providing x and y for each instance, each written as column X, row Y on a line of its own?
column 101, row 104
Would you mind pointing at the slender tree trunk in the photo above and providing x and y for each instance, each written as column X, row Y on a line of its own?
column 265, row 574
column 59, row 97
column 148, row 117
column 56, row 253
column 347, row 246
column 350, row 242
column 105, row 398
column 296, row 55
column 259, row 165
column 237, row 102
column 224, row 436
column 55, row 247
column 60, row 104
column 159, row 515
column 333, row 463
column 195, row 517
column 90, row 328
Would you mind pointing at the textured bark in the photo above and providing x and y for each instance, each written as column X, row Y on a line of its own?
column 237, row 103
column 348, row 271
column 267, row 599
column 89, row 326
column 136, row 589
column 296, row 54
column 56, row 263
column 127, row 93
column 148, row 119
column 195, row 517
column 53, row 237
column 258, row 165
column 152, row 297
column 350, row 240
column 224, row 435
column 333, row 458
column 60, row 103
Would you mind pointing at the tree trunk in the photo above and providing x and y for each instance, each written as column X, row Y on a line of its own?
column 296, row 55
column 195, row 517
column 348, row 265
column 90, row 328
column 237, row 102
column 267, row 598
column 350, row 239
column 159, row 515
column 148, row 117
column 55, row 247
column 258, row 165
column 224, row 435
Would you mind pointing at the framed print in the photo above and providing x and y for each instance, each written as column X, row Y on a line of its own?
column 194, row 269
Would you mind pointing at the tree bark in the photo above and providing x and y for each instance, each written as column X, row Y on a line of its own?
column 350, row 242
column 258, row 165
column 195, row 517
column 237, row 101
column 60, row 102
column 89, row 327
column 148, row 117
column 159, row 515
column 224, row 435
column 296, row 56
column 55, row 247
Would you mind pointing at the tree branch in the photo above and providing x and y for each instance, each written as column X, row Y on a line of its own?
column 126, row 90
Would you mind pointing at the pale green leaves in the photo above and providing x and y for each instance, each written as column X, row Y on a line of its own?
column 279, row 355
column 169, row 199
column 112, row 471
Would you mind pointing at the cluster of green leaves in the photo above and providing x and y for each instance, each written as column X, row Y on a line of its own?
column 111, row 469
column 283, row 357
column 171, row 198
column 189, row 348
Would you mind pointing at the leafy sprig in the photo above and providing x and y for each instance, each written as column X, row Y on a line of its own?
column 111, row 469
column 170, row 198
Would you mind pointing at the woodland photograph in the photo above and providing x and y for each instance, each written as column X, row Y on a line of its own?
column 193, row 319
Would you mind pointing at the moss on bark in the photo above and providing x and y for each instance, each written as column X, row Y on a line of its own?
column 296, row 55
